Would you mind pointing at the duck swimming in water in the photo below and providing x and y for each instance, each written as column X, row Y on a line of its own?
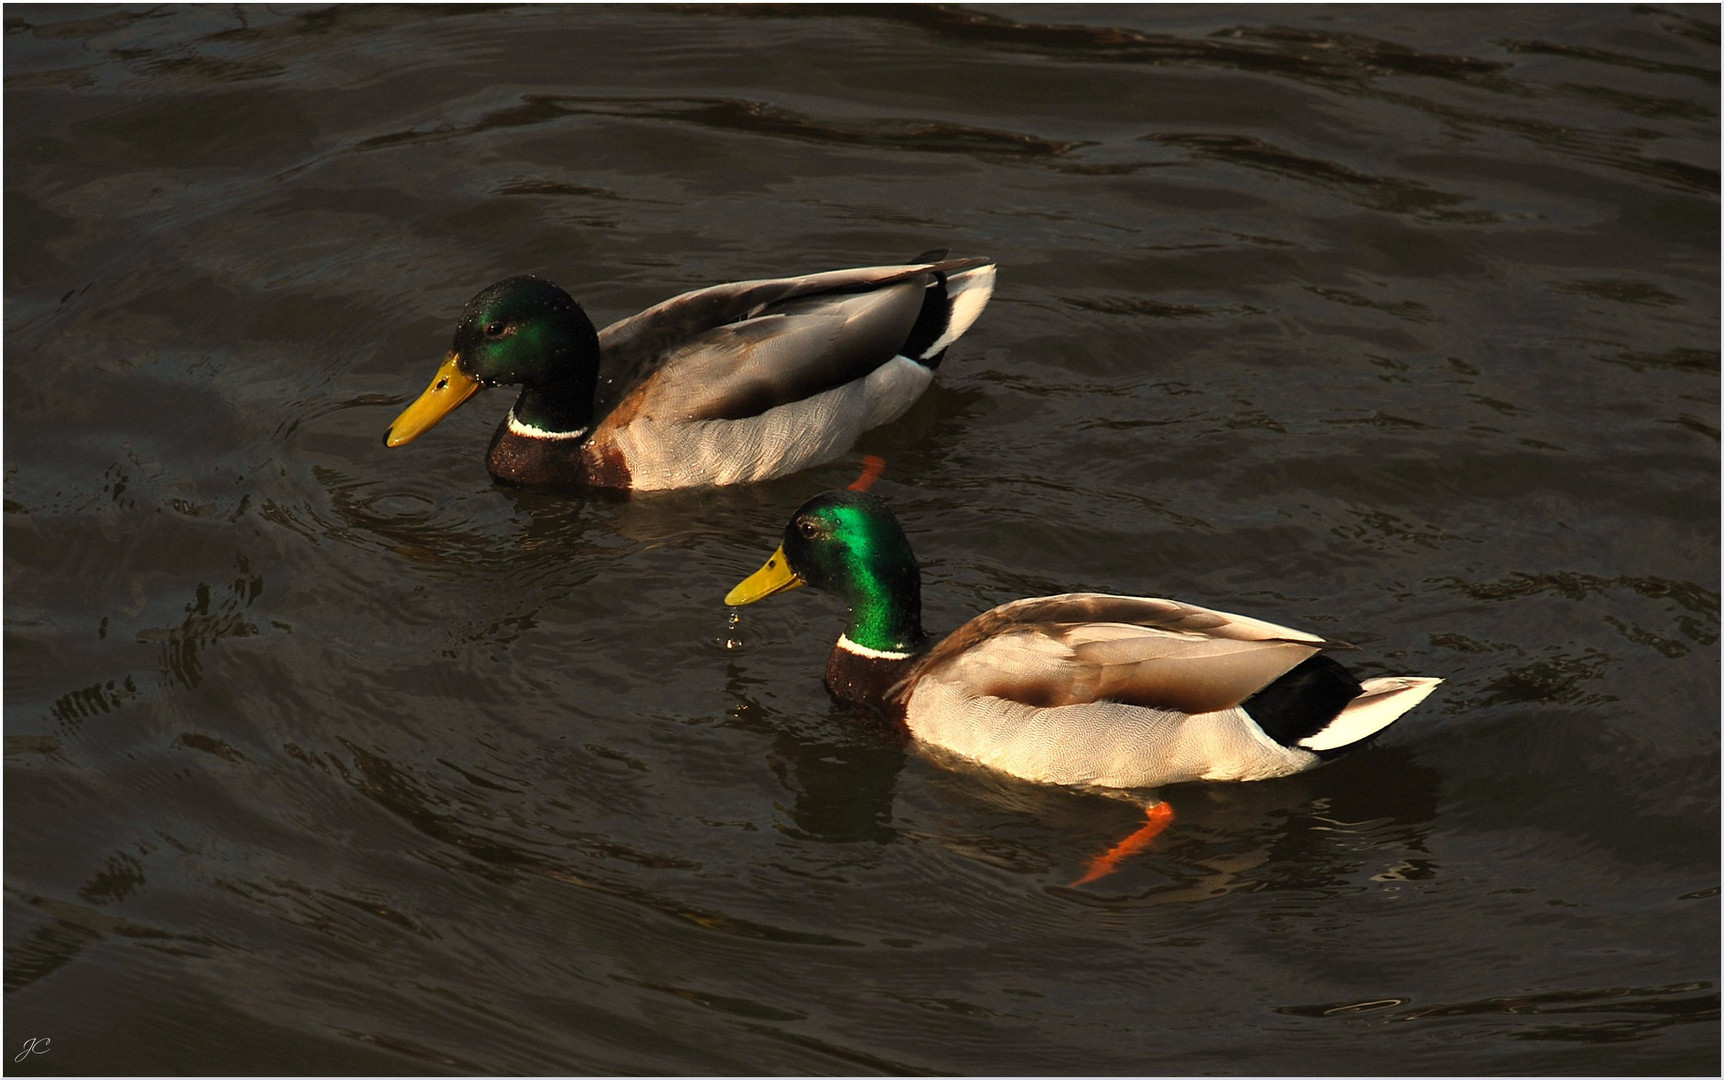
column 724, row 385
column 1082, row 689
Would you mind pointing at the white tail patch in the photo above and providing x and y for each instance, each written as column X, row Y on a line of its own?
column 968, row 291
column 1383, row 702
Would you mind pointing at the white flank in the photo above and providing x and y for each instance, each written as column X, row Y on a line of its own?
column 873, row 654
column 970, row 291
column 1382, row 703
column 516, row 427
column 780, row 440
column 1243, row 751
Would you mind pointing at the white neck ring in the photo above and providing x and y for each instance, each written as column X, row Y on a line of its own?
column 873, row 654
column 528, row 431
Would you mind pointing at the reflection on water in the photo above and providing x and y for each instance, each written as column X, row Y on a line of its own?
column 1399, row 324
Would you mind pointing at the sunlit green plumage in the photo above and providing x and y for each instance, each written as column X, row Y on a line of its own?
column 841, row 544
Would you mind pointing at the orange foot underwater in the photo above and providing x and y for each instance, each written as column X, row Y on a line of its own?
column 872, row 467
column 1160, row 817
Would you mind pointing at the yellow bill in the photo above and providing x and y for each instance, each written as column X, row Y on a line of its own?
column 449, row 388
column 775, row 577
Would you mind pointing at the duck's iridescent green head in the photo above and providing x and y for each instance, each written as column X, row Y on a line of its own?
column 520, row 330
column 849, row 544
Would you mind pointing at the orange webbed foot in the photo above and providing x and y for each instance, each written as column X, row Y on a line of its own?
column 872, row 467
column 1160, row 816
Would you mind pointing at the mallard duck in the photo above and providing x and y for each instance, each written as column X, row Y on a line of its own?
column 1081, row 689
column 723, row 385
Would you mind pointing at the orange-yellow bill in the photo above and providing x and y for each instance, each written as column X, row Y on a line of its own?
column 775, row 577
column 1160, row 817
column 449, row 388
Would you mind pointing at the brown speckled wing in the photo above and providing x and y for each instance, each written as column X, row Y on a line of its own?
column 1086, row 647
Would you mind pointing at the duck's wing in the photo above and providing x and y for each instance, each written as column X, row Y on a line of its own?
column 736, row 350
column 1079, row 648
column 791, row 353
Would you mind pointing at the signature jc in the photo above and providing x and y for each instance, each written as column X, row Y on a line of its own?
column 33, row 1046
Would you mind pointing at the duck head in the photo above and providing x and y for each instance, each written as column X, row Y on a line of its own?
column 849, row 544
column 521, row 330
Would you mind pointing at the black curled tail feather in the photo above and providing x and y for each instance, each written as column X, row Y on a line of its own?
column 1304, row 701
column 931, row 323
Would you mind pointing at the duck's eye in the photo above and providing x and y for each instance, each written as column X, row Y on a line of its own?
column 808, row 530
column 494, row 329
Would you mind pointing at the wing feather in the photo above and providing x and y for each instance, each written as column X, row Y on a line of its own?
column 634, row 349
column 1087, row 647
column 788, row 354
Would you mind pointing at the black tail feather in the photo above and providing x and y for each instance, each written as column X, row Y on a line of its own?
column 931, row 322
column 1303, row 701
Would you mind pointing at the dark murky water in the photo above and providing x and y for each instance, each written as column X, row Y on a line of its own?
column 1397, row 324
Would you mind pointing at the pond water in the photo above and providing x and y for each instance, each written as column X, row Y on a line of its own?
column 1395, row 324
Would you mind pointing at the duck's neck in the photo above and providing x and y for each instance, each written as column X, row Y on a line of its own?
column 885, row 610
column 563, row 408
column 881, row 642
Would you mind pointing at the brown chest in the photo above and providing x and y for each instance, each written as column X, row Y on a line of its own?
column 866, row 681
column 538, row 462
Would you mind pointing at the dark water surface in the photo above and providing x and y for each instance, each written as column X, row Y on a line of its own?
column 1397, row 324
